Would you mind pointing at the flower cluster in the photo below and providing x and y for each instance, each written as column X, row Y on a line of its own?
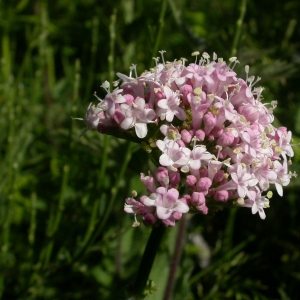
column 210, row 133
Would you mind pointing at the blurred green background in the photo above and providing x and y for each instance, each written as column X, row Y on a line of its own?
column 64, row 234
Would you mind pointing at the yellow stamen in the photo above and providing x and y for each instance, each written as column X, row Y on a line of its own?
column 269, row 194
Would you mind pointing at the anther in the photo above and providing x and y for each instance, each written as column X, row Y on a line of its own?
column 106, row 86
column 195, row 53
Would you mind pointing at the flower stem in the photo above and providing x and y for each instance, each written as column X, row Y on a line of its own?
column 147, row 261
column 176, row 258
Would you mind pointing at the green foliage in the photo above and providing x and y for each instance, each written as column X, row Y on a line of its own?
column 64, row 234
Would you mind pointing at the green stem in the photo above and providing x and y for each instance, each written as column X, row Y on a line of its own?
column 32, row 227
column 75, row 98
column 114, row 192
column 104, row 159
column 239, row 24
column 229, row 230
column 55, row 218
column 94, row 48
column 112, row 34
column 147, row 261
column 161, row 27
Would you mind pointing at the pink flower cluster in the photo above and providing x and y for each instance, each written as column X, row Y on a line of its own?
column 209, row 132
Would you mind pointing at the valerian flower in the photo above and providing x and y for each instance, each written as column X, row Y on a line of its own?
column 209, row 133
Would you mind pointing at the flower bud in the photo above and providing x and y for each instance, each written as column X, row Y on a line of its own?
column 203, row 208
column 148, row 182
column 200, row 134
column 161, row 175
column 190, row 180
column 221, row 196
column 174, row 178
column 149, row 219
column 226, row 139
column 186, row 136
column 197, row 199
column 203, row 185
column 184, row 91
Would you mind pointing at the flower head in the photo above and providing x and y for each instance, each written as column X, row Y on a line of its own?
column 208, row 131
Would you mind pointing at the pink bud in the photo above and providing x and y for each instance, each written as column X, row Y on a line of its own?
column 203, row 208
column 197, row 199
column 186, row 136
column 203, row 185
column 217, row 131
column 200, row 134
column 177, row 215
column 161, row 175
column 221, row 196
column 184, row 91
column 148, row 182
column 226, row 139
column 149, row 219
column 174, row 178
column 219, row 176
column 190, row 180
column 209, row 122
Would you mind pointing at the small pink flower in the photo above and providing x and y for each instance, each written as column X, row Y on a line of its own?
column 166, row 202
column 198, row 154
column 137, row 116
column 173, row 155
column 169, row 107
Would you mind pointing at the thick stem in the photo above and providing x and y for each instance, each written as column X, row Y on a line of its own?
column 147, row 261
